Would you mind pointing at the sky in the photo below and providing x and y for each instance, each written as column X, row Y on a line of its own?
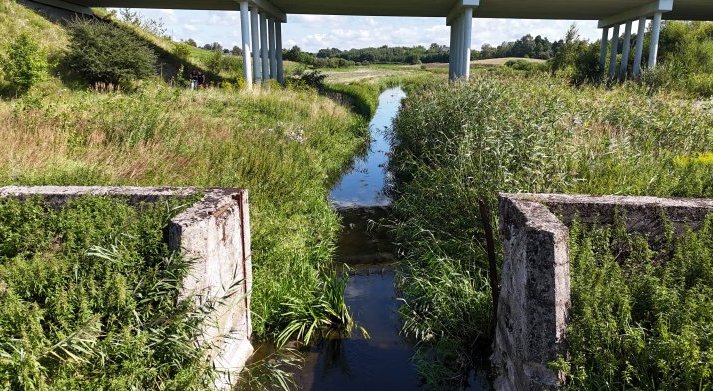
column 314, row 32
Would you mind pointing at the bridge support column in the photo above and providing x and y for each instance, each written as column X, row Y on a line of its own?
column 271, row 43
column 467, row 41
column 614, row 52
column 604, row 48
column 461, row 21
column 278, row 48
column 654, row 10
column 247, row 50
column 264, row 48
column 459, row 45
column 639, row 51
column 452, row 50
column 625, row 51
column 655, row 33
column 255, row 32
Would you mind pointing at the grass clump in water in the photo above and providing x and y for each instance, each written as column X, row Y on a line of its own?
column 88, row 299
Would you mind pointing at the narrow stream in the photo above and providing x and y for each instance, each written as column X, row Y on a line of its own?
column 382, row 362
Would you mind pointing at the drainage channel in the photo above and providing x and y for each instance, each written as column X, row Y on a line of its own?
column 383, row 361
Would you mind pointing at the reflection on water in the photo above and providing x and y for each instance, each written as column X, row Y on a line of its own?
column 365, row 183
column 382, row 362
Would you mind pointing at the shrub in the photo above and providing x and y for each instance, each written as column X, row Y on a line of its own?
column 25, row 64
column 641, row 318
column 182, row 51
column 102, row 52
column 215, row 62
column 89, row 299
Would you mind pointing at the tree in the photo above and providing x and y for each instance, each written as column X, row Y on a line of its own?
column 191, row 42
column 25, row 64
column 101, row 52
column 237, row 51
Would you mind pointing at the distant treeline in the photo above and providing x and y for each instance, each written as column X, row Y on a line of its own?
column 527, row 46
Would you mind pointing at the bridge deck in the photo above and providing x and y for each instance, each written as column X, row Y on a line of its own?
column 517, row 9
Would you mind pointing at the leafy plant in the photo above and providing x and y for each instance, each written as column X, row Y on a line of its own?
column 25, row 63
column 327, row 313
column 102, row 52
column 641, row 318
column 90, row 301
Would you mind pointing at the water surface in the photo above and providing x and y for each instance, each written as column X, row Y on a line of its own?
column 365, row 183
column 383, row 361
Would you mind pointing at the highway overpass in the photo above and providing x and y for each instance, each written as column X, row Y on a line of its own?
column 261, row 22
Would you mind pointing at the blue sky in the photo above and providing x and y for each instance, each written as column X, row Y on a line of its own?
column 312, row 32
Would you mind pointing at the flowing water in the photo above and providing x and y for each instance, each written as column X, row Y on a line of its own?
column 383, row 361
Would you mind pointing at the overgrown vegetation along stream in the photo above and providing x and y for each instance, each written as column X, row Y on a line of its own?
column 641, row 317
column 287, row 146
column 459, row 144
column 88, row 299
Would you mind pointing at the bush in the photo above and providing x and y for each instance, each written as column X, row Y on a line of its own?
column 102, row 52
column 25, row 64
column 215, row 62
column 182, row 51
column 641, row 318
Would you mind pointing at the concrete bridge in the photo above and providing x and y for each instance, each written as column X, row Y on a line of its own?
column 261, row 22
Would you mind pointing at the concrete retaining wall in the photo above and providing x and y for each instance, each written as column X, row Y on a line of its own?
column 534, row 297
column 215, row 234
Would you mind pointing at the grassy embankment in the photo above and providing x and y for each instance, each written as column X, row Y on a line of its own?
column 460, row 144
column 287, row 147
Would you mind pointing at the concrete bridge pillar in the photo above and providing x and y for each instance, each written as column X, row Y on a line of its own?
column 255, row 33
column 639, row 51
column 278, row 49
column 247, row 50
column 271, row 42
column 614, row 52
column 655, row 33
column 461, row 21
column 604, row 48
column 653, row 10
column 625, row 51
column 264, row 48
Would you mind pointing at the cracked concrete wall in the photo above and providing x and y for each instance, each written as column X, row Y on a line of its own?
column 215, row 234
column 534, row 297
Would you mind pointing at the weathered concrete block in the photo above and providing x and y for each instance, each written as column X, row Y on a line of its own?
column 534, row 296
column 534, row 299
column 215, row 234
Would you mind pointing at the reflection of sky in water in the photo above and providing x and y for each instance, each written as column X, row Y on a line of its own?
column 364, row 184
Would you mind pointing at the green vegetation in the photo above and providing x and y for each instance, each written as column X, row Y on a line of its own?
column 25, row 63
column 641, row 318
column 88, row 299
column 685, row 61
column 287, row 146
column 460, row 144
column 326, row 315
column 102, row 52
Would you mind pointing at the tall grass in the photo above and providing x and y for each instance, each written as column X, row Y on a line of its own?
column 285, row 147
column 89, row 299
column 458, row 145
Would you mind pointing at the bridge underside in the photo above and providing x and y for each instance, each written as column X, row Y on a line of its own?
column 515, row 9
column 261, row 22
